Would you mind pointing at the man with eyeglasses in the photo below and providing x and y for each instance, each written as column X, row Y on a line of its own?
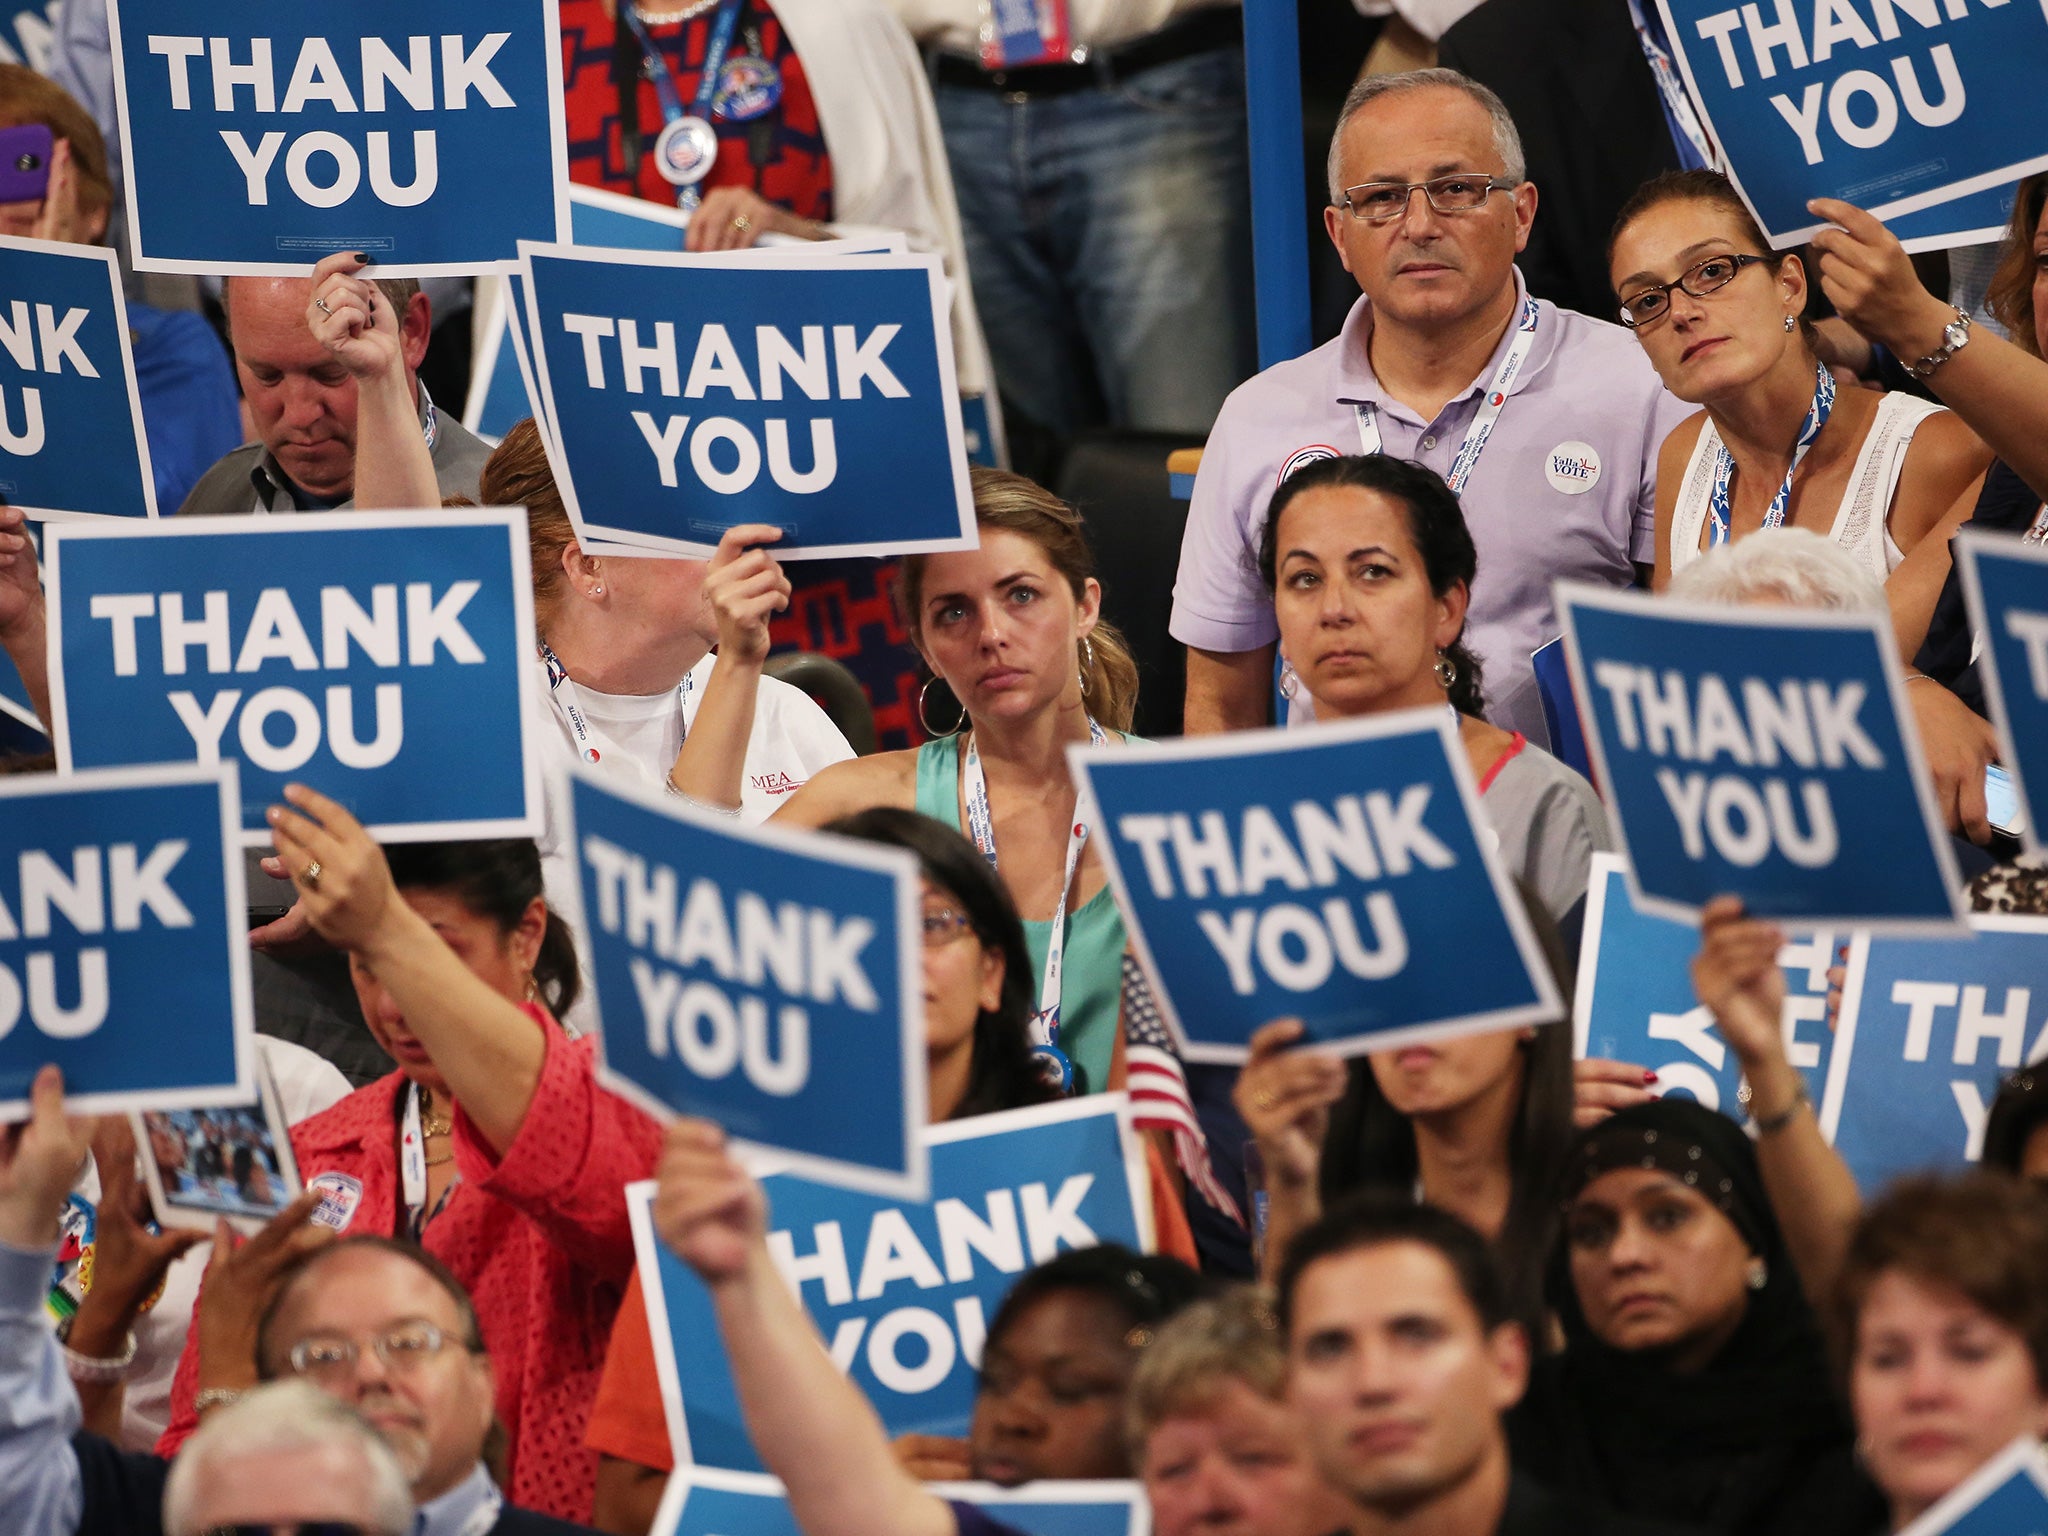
column 1546, row 422
column 376, row 1325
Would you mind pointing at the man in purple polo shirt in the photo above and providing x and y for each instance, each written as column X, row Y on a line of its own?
column 1546, row 422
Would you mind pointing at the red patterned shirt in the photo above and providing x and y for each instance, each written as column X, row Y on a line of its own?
column 768, row 133
column 539, row 1237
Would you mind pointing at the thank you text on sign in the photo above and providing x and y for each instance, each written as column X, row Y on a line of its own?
column 1890, row 104
column 903, row 1291
column 381, row 658
column 261, row 137
column 1340, row 877
column 690, row 393
column 71, row 438
column 1759, row 752
column 2007, row 586
column 770, row 981
column 122, row 956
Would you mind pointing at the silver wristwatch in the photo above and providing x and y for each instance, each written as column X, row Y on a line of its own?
column 1953, row 336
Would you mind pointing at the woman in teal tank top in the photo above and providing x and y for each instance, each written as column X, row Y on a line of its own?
column 1013, row 631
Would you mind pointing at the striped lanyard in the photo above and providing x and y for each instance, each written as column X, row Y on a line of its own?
column 568, row 703
column 981, row 826
column 1724, row 463
column 1483, row 421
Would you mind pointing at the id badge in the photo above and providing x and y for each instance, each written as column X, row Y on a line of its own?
column 1015, row 33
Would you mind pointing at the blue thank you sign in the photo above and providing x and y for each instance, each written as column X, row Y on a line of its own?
column 1635, row 1001
column 2007, row 1496
column 1929, row 1027
column 771, row 981
column 1337, row 876
column 704, row 1501
column 2006, row 583
column 122, row 951
column 1759, row 752
column 686, row 394
column 903, row 1291
column 381, row 658
column 71, row 437
column 259, row 138
column 1893, row 105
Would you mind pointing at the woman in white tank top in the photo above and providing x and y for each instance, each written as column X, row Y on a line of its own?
column 1779, row 441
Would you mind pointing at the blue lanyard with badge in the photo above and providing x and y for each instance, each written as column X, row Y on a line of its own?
column 1054, row 1065
column 1483, row 421
column 1719, row 516
column 687, row 146
column 1017, row 33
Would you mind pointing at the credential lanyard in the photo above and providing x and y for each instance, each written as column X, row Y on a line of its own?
column 1724, row 464
column 412, row 1163
column 569, row 703
column 1688, row 134
column 981, row 826
column 672, row 111
column 1483, row 421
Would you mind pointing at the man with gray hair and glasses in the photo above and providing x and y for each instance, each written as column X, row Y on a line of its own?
column 378, row 1327
column 1544, row 421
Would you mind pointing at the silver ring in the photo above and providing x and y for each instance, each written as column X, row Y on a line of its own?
column 321, row 305
column 311, row 877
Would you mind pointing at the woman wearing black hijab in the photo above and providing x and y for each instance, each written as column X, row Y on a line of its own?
column 1693, row 1385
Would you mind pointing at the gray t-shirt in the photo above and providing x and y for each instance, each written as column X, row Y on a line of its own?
column 1550, row 823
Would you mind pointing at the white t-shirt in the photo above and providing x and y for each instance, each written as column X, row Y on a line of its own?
column 306, row 1084
column 639, row 736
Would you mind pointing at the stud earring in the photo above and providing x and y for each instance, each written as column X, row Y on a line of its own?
column 597, row 591
column 1790, row 322
column 1759, row 1274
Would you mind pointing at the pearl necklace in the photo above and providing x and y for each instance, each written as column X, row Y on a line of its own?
column 688, row 12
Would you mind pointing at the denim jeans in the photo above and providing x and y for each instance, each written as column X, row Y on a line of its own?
column 1109, row 241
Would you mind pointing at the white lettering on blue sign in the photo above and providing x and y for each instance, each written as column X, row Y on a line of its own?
column 1975, row 1024
column 114, row 888
column 798, row 952
column 1298, row 946
column 274, row 631
column 317, row 76
column 1810, row 725
column 844, row 371
column 2031, row 630
column 47, row 345
column 1862, row 106
column 1016, row 1230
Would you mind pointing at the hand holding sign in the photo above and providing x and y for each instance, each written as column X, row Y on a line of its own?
column 343, row 878
column 38, row 1161
column 745, row 588
column 21, row 587
column 1284, row 1096
column 351, row 318
column 707, row 1208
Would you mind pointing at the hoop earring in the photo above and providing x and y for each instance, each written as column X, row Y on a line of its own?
column 1790, row 322
column 1290, row 681
column 924, row 718
column 1087, row 662
column 1446, row 671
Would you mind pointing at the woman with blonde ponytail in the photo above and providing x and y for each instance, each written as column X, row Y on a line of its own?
column 1022, row 668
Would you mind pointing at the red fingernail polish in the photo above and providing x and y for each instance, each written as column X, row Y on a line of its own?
column 1649, row 1076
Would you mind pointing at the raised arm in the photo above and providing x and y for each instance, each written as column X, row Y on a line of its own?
column 2000, row 391
column 1228, row 690
column 811, row 1426
column 1284, row 1095
column 485, row 1046
column 745, row 588
column 1812, row 1191
column 351, row 318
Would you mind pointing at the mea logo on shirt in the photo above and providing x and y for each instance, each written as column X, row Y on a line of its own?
column 775, row 783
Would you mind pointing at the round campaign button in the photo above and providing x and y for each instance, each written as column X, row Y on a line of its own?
column 1573, row 468
column 1054, row 1069
column 686, row 151
column 748, row 87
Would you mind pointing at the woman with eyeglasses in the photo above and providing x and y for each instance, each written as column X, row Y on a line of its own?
column 1779, row 440
column 491, row 1146
column 979, row 993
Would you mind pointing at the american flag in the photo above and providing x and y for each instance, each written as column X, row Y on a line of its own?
column 1159, row 1088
